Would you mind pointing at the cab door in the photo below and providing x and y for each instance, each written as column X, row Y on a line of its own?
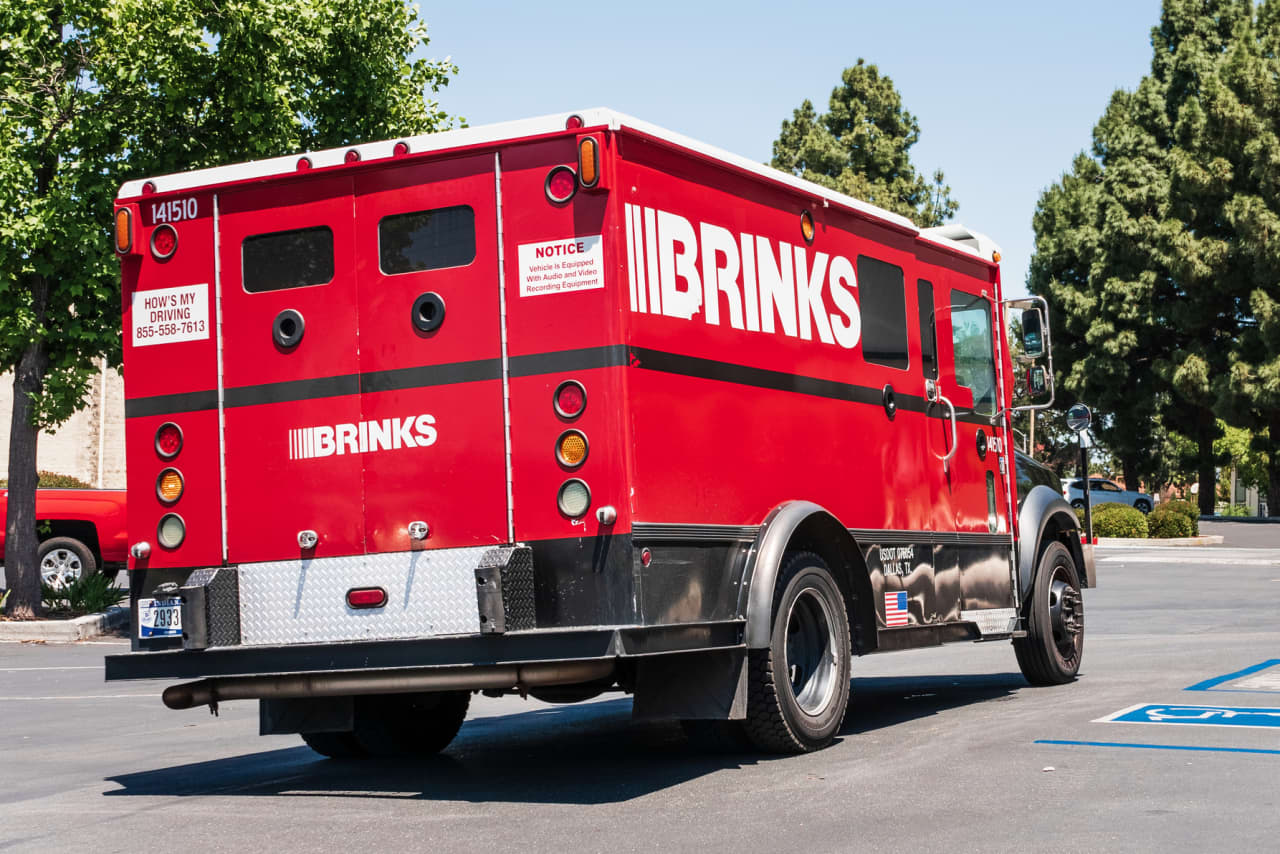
column 969, row 380
column 290, row 370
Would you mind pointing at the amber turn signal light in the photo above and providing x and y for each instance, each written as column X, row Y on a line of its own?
column 124, row 230
column 806, row 226
column 571, row 448
column 588, row 162
column 169, row 486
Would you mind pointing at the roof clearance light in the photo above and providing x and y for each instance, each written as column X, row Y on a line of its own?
column 570, row 399
column 571, row 448
column 148, row 188
column 168, row 440
column 400, row 149
column 171, row 531
column 995, row 257
column 588, row 162
column 124, row 230
column 304, row 163
column 169, row 486
column 561, row 184
column 573, row 122
column 352, row 156
column 806, row 226
column 164, row 241
column 574, row 498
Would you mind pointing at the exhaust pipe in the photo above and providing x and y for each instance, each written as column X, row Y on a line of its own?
column 209, row 692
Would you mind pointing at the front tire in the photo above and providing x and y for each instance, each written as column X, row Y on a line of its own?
column 1142, row 505
column 1050, row 653
column 63, row 561
column 798, row 688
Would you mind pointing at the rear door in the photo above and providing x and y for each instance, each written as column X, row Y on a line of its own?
column 290, row 351
column 430, row 357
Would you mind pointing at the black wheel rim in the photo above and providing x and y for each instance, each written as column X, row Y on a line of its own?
column 1066, row 616
column 812, row 668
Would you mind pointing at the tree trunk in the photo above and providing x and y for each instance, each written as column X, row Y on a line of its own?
column 1208, row 473
column 22, row 572
column 1129, row 469
column 1273, row 465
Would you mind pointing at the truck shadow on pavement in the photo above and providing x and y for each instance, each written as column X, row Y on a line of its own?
column 580, row 754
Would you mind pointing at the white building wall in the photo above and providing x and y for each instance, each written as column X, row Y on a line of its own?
column 89, row 445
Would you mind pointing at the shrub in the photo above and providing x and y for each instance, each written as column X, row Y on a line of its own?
column 86, row 595
column 53, row 480
column 1118, row 520
column 1235, row 510
column 1167, row 522
column 1187, row 508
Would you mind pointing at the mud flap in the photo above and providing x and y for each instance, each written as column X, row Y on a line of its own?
column 693, row 685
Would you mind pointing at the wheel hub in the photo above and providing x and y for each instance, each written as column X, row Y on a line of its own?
column 59, row 568
column 811, row 653
column 1066, row 616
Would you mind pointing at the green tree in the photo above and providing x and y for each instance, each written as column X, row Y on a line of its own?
column 98, row 91
column 861, row 147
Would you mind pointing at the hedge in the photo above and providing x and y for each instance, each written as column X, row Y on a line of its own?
column 53, row 480
column 1167, row 522
column 1113, row 519
column 1187, row 508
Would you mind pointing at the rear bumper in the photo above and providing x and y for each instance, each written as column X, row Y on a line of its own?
column 514, row 648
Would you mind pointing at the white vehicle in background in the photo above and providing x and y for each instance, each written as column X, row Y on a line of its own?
column 1103, row 491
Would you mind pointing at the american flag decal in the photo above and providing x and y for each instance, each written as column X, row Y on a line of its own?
column 895, row 608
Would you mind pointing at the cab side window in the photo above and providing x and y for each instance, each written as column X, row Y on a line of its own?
column 884, row 313
column 974, row 351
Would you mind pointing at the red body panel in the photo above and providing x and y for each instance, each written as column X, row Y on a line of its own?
column 720, row 353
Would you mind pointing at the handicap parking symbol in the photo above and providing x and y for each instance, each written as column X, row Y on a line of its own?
column 1180, row 715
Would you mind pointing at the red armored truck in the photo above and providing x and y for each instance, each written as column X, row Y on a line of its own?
column 564, row 406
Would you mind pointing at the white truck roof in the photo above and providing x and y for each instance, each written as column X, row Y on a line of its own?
column 951, row 236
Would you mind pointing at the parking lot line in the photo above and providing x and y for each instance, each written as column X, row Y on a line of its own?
column 1157, row 746
column 1208, row 684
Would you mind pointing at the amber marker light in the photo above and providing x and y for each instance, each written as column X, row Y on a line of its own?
column 995, row 257
column 588, row 162
column 124, row 230
column 169, row 486
column 806, row 226
column 571, row 448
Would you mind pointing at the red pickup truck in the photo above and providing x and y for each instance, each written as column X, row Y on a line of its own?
column 82, row 531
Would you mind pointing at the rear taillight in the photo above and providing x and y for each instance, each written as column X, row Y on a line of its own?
column 366, row 597
column 561, row 184
column 168, row 440
column 570, row 399
column 164, row 241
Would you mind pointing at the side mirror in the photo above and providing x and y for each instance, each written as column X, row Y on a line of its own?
column 1033, row 334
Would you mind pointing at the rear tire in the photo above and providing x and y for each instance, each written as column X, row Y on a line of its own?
column 409, row 725
column 1050, row 653
column 798, row 688
column 1142, row 505
column 335, row 745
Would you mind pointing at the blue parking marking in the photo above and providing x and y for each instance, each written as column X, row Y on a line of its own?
column 1137, row 746
column 1179, row 715
column 1212, row 684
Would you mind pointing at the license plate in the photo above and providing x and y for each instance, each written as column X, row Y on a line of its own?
column 159, row 618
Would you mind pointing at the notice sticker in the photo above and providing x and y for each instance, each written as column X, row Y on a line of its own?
column 169, row 315
column 560, row 266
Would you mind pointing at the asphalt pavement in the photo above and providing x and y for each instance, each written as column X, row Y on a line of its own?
column 944, row 750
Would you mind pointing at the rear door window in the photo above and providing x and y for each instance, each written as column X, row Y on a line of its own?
column 427, row 240
column 281, row 260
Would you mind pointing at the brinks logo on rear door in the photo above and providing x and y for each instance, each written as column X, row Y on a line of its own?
column 364, row 437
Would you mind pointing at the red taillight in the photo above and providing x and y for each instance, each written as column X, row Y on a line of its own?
column 561, row 184
column 570, row 399
column 164, row 241
column 366, row 597
column 168, row 440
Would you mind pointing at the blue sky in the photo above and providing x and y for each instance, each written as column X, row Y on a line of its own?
column 1006, row 93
